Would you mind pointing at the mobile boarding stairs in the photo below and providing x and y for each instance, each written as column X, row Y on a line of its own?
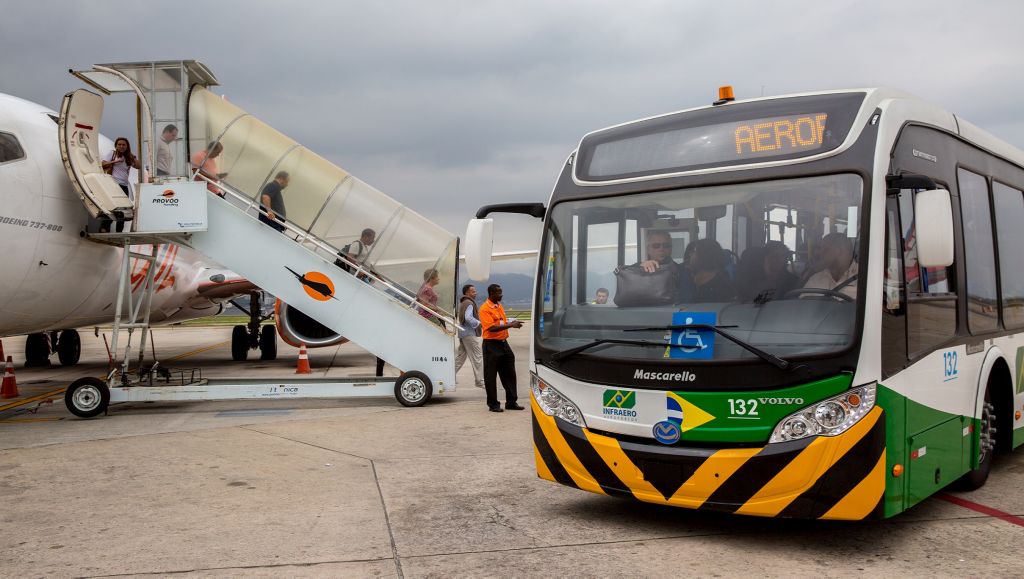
column 211, row 203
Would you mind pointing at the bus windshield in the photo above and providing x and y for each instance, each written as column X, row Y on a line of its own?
column 774, row 265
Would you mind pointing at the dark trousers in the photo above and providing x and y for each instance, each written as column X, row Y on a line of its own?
column 499, row 361
column 272, row 223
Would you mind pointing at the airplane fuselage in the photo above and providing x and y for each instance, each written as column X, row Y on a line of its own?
column 51, row 276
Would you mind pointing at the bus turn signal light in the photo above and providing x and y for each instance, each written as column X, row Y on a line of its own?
column 897, row 470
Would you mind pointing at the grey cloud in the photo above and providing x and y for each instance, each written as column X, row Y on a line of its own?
column 448, row 105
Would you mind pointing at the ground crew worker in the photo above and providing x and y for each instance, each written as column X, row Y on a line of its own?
column 498, row 357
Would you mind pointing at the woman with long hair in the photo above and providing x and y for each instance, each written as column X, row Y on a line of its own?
column 117, row 164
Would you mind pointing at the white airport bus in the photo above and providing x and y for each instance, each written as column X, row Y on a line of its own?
column 814, row 306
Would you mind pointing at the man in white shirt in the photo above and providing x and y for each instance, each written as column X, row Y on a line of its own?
column 838, row 268
column 164, row 156
column 469, row 335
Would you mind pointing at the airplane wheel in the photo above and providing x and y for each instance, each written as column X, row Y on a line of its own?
column 37, row 351
column 413, row 389
column 69, row 347
column 268, row 343
column 239, row 343
column 87, row 397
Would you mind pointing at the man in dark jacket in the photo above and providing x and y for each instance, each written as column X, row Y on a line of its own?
column 469, row 335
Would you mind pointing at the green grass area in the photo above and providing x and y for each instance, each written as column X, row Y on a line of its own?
column 221, row 321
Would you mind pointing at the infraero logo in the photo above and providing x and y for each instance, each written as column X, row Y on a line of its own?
column 316, row 285
column 618, row 405
column 619, row 399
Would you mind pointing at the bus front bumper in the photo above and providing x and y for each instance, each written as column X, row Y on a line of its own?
column 837, row 477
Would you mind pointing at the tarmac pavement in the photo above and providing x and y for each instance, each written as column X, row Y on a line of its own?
column 368, row 488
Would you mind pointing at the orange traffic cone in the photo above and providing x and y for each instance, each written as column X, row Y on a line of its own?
column 303, row 365
column 9, row 389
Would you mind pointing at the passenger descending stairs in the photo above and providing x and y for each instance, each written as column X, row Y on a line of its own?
column 367, row 314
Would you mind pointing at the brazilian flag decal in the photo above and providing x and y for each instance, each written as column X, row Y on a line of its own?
column 619, row 399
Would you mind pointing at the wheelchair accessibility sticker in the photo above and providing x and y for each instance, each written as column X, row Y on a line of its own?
column 692, row 344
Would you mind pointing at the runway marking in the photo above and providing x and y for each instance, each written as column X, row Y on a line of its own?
column 56, row 392
column 41, row 419
column 983, row 509
column 60, row 391
column 198, row 351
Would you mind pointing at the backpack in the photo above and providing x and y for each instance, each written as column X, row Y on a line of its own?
column 345, row 251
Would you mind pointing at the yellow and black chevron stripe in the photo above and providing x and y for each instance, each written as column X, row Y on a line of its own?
column 840, row 477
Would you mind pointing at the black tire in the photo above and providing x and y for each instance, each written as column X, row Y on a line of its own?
column 87, row 397
column 37, row 351
column 239, row 343
column 413, row 389
column 268, row 343
column 975, row 479
column 69, row 348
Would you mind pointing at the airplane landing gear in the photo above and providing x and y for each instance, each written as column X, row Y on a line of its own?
column 268, row 343
column 69, row 347
column 239, row 344
column 251, row 336
column 37, row 351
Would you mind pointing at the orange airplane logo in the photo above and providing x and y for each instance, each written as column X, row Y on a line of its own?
column 168, row 193
column 316, row 285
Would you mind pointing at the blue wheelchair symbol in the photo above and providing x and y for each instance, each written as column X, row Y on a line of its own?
column 693, row 344
column 666, row 432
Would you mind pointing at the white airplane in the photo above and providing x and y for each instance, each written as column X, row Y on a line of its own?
column 53, row 280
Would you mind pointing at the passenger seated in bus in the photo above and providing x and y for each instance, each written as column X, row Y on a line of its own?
column 763, row 273
column 654, row 281
column 709, row 276
column 837, row 268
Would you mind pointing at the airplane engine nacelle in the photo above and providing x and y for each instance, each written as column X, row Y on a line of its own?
column 296, row 328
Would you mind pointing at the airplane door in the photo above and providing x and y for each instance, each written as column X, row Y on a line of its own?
column 79, row 134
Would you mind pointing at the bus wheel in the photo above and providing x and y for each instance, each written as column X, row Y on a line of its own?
column 87, row 397
column 413, row 389
column 976, row 478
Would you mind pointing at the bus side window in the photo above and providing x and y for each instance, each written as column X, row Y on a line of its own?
column 931, row 292
column 979, row 258
column 1009, row 210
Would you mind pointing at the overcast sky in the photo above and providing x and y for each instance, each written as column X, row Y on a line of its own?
column 448, row 105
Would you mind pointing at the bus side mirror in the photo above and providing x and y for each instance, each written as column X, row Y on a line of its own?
column 933, row 220
column 479, row 243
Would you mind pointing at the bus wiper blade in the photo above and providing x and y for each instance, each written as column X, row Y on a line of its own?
column 573, row 351
column 767, row 357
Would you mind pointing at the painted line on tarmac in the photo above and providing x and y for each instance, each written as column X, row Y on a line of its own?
column 41, row 419
column 983, row 509
column 60, row 391
column 197, row 351
column 32, row 399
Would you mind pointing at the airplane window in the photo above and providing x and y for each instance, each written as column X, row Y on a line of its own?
column 10, row 149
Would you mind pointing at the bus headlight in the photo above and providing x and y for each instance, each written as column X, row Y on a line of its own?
column 830, row 417
column 553, row 403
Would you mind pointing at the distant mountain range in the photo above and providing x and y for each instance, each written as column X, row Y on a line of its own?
column 517, row 288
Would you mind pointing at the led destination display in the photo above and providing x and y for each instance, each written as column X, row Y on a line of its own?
column 729, row 135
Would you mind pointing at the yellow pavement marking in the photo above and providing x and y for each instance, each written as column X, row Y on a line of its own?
column 42, row 419
column 56, row 392
column 60, row 391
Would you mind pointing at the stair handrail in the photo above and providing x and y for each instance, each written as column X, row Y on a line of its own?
column 358, row 268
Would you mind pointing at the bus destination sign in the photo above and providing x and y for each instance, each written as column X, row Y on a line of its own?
column 780, row 135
